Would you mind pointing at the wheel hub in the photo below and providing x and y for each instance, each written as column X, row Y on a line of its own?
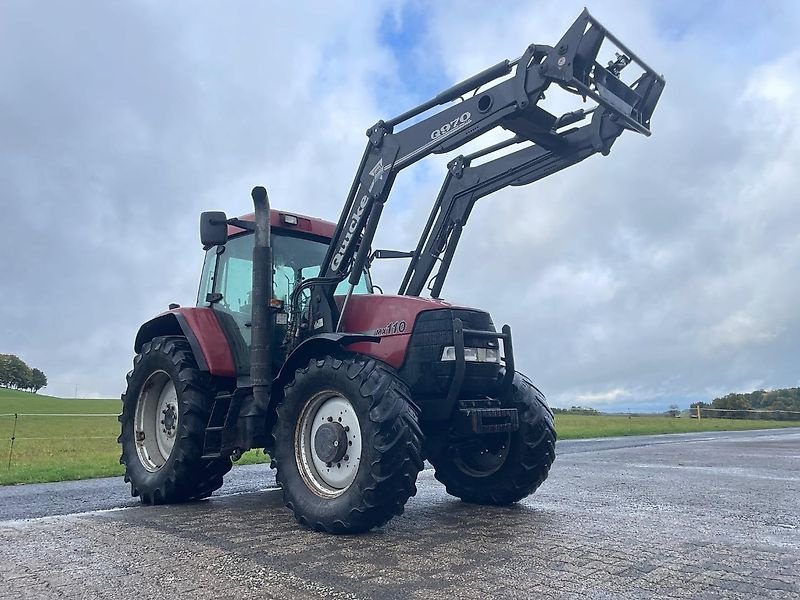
column 170, row 420
column 483, row 455
column 330, row 442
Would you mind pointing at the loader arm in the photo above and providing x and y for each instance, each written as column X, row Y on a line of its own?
column 511, row 103
column 465, row 184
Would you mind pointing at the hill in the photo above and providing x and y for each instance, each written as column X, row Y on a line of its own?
column 15, row 401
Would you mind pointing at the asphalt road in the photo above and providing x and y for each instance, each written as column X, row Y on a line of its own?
column 679, row 516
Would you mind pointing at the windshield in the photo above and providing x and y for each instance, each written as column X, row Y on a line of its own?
column 295, row 259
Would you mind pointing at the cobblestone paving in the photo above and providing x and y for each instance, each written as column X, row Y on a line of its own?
column 716, row 518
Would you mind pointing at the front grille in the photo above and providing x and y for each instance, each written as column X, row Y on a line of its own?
column 424, row 371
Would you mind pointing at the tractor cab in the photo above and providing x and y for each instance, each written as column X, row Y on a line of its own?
column 299, row 244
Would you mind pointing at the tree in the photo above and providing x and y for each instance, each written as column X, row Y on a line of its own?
column 674, row 411
column 5, row 377
column 14, row 372
column 733, row 405
column 38, row 380
column 776, row 404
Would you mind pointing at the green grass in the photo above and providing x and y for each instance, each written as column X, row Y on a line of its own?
column 573, row 427
column 62, row 448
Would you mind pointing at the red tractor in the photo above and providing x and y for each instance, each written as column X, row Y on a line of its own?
column 289, row 349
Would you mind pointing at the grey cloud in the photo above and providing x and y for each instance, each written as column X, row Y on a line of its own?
column 121, row 122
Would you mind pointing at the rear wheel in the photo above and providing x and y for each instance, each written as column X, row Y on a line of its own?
column 348, row 447
column 502, row 468
column 165, row 411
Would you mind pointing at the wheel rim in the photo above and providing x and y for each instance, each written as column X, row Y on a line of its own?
column 483, row 456
column 156, row 421
column 327, row 444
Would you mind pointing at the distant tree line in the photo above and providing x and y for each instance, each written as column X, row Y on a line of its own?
column 576, row 410
column 14, row 373
column 785, row 403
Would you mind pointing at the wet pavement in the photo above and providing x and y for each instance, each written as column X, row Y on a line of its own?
column 686, row 516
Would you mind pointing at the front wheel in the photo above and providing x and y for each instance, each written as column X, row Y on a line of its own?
column 502, row 468
column 348, row 446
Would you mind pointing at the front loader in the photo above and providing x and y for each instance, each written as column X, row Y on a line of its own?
column 290, row 350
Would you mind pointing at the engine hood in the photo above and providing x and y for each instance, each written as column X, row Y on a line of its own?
column 386, row 315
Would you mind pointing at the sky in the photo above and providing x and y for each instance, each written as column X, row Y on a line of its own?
column 664, row 273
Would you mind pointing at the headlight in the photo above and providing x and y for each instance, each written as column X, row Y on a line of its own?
column 472, row 354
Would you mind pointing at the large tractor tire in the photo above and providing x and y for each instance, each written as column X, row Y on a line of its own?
column 348, row 446
column 502, row 468
column 165, row 411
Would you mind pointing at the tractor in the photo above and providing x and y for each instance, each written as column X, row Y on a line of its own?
column 291, row 349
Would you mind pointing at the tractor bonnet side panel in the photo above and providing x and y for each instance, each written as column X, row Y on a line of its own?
column 389, row 317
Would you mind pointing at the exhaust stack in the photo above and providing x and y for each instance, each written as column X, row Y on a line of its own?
column 253, row 413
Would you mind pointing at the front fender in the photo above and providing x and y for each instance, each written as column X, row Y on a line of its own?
column 319, row 345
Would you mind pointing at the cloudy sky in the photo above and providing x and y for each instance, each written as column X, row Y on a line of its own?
column 664, row 273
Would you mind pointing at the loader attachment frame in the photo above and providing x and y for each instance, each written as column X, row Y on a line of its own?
column 465, row 184
column 512, row 103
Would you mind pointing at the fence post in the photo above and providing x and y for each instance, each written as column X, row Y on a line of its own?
column 13, row 436
column 698, row 411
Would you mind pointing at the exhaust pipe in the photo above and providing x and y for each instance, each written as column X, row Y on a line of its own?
column 253, row 413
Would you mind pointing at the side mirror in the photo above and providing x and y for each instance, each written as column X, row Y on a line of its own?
column 213, row 228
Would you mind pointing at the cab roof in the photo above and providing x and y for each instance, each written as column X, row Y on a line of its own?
column 289, row 221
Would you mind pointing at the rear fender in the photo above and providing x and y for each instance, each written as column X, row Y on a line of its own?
column 203, row 332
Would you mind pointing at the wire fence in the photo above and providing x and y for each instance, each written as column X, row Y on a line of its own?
column 707, row 412
column 69, row 434
column 15, row 415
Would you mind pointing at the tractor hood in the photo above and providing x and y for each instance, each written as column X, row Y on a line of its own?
column 392, row 318
column 385, row 315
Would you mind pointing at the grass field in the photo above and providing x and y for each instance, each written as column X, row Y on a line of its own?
column 49, row 448
column 57, row 448
column 574, row 427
